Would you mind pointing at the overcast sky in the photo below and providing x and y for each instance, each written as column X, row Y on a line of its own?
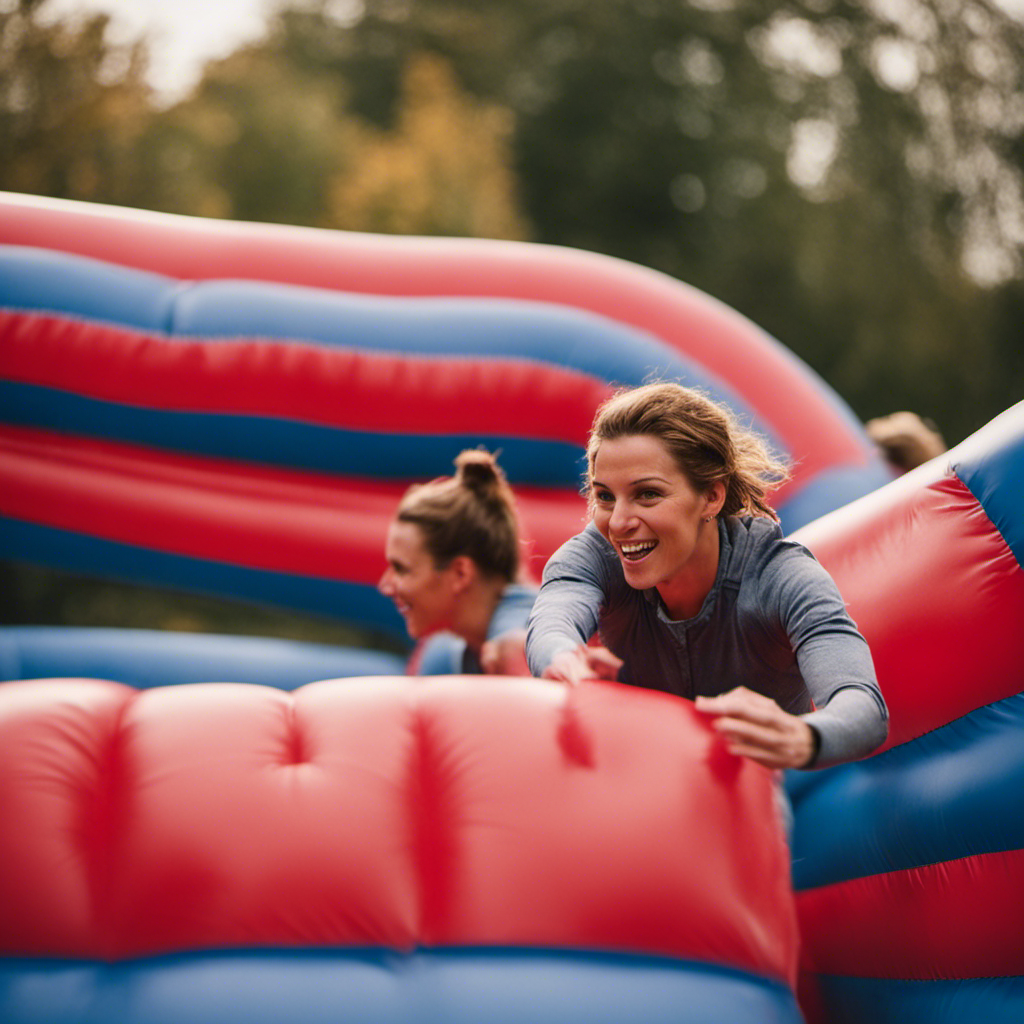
column 184, row 34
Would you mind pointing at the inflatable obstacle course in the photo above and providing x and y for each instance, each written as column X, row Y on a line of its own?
column 909, row 866
column 213, row 406
column 384, row 850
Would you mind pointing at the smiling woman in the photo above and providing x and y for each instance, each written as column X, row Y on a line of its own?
column 453, row 563
column 657, row 521
column 684, row 571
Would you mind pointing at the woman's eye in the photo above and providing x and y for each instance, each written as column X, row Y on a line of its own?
column 603, row 496
column 649, row 495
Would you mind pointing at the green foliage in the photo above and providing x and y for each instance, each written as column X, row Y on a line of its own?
column 72, row 107
column 257, row 140
column 845, row 172
column 441, row 170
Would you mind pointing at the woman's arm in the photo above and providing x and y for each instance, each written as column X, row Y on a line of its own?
column 851, row 725
column 567, row 611
column 850, row 718
column 503, row 653
column 565, row 615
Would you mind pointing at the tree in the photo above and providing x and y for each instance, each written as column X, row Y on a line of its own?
column 846, row 172
column 72, row 106
column 442, row 170
column 257, row 140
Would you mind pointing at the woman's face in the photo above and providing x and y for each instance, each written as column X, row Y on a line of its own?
column 424, row 595
column 647, row 508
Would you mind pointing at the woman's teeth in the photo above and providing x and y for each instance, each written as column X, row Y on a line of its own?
column 634, row 552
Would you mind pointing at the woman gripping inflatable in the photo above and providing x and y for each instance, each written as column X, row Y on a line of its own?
column 685, row 572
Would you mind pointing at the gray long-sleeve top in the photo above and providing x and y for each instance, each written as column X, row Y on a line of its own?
column 774, row 621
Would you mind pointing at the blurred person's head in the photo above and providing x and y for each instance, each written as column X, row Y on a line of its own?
column 452, row 548
column 905, row 439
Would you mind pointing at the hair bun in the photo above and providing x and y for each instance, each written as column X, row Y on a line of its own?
column 470, row 513
column 479, row 471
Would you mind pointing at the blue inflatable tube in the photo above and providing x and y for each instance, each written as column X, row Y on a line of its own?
column 144, row 658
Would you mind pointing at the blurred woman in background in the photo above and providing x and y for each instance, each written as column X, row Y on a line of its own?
column 453, row 572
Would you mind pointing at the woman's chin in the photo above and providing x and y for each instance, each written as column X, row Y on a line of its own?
column 638, row 574
column 412, row 627
column 420, row 631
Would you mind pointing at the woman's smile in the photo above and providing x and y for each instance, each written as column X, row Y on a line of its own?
column 636, row 551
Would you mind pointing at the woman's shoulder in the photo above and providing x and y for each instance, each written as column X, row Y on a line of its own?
column 517, row 597
column 763, row 554
column 513, row 609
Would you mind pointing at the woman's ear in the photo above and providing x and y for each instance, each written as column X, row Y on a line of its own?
column 715, row 497
column 463, row 572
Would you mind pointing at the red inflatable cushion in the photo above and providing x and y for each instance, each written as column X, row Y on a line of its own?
column 388, row 812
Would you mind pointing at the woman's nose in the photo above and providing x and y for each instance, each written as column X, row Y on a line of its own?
column 622, row 518
column 384, row 585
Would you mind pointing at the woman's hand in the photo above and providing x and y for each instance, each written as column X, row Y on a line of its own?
column 505, row 655
column 583, row 662
column 756, row 727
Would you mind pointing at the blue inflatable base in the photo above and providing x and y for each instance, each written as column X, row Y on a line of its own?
column 381, row 987
column 894, row 1001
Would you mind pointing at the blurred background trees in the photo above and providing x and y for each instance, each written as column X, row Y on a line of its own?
column 847, row 173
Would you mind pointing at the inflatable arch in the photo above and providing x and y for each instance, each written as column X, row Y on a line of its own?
column 237, row 407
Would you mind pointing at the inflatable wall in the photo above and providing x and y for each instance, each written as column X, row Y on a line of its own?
column 909, row 866
column 384, row 851
column 237, row 408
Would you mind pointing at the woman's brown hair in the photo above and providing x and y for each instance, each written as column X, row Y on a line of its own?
column 471, row 513
column 704, row 438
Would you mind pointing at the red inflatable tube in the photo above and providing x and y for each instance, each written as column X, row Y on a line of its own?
column 945, row 628
column 957, row 919
column 286, row 521
column 805, row 416
column 382, row 392
column 384, row 812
